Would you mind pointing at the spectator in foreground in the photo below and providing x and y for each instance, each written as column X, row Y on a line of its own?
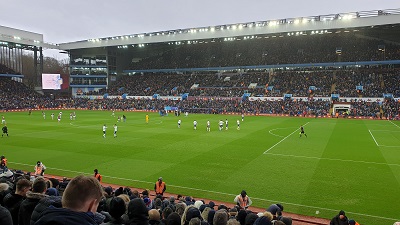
column 5, row 216
column 80, row 201
column 32, row 199
column 340, row 219
column 12, row 201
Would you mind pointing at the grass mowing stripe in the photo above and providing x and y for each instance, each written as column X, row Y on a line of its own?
column 224, row 161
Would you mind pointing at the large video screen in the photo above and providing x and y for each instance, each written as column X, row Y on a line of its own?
column 51, row 81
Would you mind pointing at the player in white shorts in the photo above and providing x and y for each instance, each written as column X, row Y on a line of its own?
column 221, row 125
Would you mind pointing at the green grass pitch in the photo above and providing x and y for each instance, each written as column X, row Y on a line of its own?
column 346, row 164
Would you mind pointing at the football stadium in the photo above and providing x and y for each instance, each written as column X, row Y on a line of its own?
column 297, row 119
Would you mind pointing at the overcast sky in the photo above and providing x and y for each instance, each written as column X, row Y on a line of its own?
column 73, row 20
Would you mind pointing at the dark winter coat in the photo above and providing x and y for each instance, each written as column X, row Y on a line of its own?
column 44, row 204
column 137, row 212
column 5, row 216
column 12, row 202
column 337, row 221
column 27, row 207
column 62, row 216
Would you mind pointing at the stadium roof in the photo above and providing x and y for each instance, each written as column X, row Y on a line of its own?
column 319, row 23
column 12, row 37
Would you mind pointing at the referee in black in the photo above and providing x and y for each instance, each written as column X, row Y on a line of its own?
column 302, row 131
column 5, row 130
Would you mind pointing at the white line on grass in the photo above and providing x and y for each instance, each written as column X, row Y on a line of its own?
column 214, row 192
column 373, row 138
column 341, row 160
column 284, row 138
column 386, row 130
column 275, row 134
column 394, row 124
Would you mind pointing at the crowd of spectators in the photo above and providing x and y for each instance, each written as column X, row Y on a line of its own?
column 281, row 49
column 313, row 83
column 16, row 95
column 6, row 70
column 35, row 200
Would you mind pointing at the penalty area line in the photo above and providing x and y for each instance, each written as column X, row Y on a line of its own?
column 373, row 138
column 273, row 146
column 394, row 124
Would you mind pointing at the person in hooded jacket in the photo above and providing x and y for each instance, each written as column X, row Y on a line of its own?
column 137, row 212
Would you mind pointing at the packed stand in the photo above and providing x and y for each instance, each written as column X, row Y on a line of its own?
column 271, row 51
column 6, row 70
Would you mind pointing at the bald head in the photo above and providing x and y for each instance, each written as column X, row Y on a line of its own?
column 154, row 215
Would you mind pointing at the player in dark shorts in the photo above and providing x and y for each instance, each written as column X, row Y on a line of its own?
column 302, row 131
column 5, row 130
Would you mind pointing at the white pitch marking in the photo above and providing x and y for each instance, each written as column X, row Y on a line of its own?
column 394, row 124
column 275, row 134
column 284, row 138
column 373, row 138
column 331, row 159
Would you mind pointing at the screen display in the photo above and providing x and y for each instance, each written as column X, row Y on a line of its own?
column 51, row 81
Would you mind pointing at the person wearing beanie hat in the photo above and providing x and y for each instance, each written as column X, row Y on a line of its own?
column 173, row 219
column 108, row 190
column 52, row 192
column 117, row 209
column 242, row 200
column 191, row 212
column 148, row 202
column 137, row 212
column 275, row 209
column 340, row 219
column 250, row 219
column 263, row 220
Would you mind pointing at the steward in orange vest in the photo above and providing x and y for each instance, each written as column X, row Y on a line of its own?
column 242, row 200
column 3, row 159
column 39, row 169
column 97, row 175
column 160, row 187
